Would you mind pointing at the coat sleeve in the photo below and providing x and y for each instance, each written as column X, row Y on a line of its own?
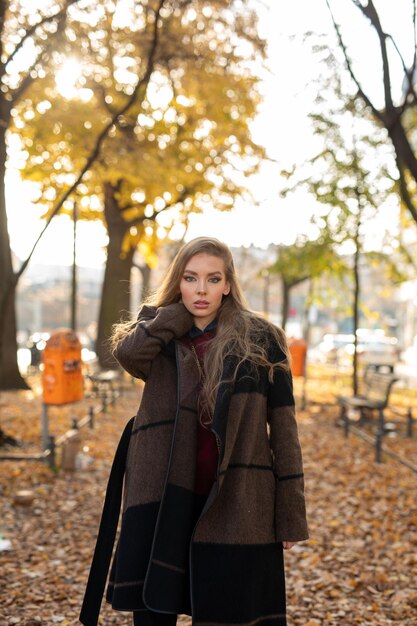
column 290, row 509
column 154, row 329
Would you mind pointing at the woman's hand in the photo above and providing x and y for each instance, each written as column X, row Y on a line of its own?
column 287, row 545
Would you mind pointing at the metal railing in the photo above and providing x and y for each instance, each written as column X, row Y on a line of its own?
column 107, row 395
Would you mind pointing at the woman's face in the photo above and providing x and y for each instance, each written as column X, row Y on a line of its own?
column 203, row 285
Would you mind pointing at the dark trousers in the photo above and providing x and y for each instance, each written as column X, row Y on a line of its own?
column 152, row 618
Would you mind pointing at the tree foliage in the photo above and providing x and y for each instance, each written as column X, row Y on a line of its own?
column 187, row 134
column 306, row 259
column 351, row 178
column 184, row 145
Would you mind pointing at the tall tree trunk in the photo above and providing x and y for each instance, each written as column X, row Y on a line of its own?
column 355, row 320
column 285, row 303
column 265, row 295
column 306, row 322
column 10, row 377
column 114, row 305
column 356, row 296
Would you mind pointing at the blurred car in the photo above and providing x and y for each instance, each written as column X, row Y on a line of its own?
column 328, row 349
column 372, row 349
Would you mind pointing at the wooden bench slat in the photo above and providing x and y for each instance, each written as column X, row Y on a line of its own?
column 360, row 401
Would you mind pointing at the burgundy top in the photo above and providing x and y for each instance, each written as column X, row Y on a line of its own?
column 207, row 451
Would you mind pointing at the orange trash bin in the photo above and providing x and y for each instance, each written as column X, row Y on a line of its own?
column 62, row 377
column 298, row 351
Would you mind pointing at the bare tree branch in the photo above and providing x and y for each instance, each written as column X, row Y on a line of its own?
column 391, row 116
column 32, row 30
column 405, row 194
column 28, row 79
column 370, row 12
column 415, row 34
column 3, row 9
column 42, row 56
column 408, row 72
column 362, row 94
column 139, row 220
column 411, row 71
column 407, row 255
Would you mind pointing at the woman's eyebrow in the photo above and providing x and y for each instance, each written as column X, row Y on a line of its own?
column 209, row 274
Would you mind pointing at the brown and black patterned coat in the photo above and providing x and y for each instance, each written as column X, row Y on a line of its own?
column 232, row 558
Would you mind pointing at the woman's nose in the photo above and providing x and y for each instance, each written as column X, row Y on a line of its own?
column 201, row 288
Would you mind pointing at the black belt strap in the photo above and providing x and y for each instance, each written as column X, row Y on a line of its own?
column 93, row 596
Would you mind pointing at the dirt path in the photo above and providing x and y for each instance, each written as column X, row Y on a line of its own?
column 358, row 567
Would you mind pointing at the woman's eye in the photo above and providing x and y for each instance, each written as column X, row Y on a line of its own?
column 213, row 279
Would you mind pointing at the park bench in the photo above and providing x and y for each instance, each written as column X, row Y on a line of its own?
column 373, row 399
column 105, row 383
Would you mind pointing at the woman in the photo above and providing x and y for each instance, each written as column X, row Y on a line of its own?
column 213, row 479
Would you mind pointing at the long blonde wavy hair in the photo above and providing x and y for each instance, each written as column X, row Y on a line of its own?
column 240, row 332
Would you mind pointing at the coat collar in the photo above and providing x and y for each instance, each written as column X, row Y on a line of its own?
column 197, row 332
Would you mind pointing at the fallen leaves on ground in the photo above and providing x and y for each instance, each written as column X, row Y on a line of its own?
column 358, row 567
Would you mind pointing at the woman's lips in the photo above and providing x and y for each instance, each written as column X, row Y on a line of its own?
column 201, row 304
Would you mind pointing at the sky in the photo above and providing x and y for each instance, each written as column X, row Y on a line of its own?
column 281, row 126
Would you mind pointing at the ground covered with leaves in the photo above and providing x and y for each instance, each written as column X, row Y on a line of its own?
column 357, row 568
